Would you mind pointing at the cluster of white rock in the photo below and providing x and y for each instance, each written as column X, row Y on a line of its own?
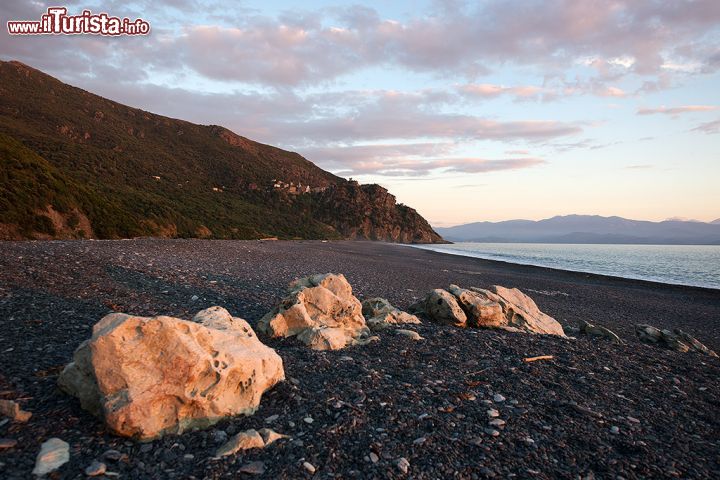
column 499, row 307
column 147, row 377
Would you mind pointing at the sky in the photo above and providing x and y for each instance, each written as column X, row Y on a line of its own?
column 466, row 111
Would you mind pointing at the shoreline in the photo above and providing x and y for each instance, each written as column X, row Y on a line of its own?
column 460, row 253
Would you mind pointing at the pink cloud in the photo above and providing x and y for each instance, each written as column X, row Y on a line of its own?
column 708, row 127
column 413, row 159
column 302, row 48
column 677, row 110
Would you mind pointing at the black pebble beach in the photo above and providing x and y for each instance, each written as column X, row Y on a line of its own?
column 595, row 410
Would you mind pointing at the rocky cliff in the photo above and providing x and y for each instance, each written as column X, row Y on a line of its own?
column 371, row 212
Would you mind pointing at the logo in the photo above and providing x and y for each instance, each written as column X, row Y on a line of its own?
column 57, row 22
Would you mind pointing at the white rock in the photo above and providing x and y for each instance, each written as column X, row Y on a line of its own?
column 402, row 464
column 95, row 468
column 12, row 409
column 309, row 467
column 54, row 453
column 321, row 311
column 270, row 436
column 242, row 441
column 380, row 314
column 151, row 376
column 496, row 422
column 409, row 333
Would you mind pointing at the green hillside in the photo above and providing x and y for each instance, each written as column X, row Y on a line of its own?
column 133, row 173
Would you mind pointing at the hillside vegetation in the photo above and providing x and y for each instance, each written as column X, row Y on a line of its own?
column 76, row 164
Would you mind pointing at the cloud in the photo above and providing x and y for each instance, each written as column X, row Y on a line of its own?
column 638, row 167
column 415, row 159
column 488, row 90
column 301, row 48
column 390, row 167
column 674, row 111
column 709, row 127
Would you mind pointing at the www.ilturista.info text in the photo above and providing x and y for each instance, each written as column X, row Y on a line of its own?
column 57, row 22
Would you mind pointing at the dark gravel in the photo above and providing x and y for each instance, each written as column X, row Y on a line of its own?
column 424, row 401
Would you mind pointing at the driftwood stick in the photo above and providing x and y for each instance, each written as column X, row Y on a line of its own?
column 535, row 359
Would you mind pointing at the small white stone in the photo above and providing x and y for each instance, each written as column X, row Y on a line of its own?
column 309, row 467
column 492, row 413
column 308, row 420
column 615, row 430
column 498, row 398
column 95, row 469
column 497, row 422
column 54, row 453
column 402, row 464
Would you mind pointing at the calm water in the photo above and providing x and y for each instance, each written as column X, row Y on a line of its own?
column 697, row 265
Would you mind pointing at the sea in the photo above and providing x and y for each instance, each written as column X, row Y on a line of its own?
column 695, row 265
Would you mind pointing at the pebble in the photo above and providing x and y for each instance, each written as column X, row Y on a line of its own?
column 373, row 457
column 402, row 464
column 419, row 441
column 308, row 420
column 54, row 453
column 497, row 422
column 492, row 413
column 95, row 469
column 633, row 420
column 6, row 443
column 614, row 430
column 271, row 418
column 498, row 398
column 492, row 432
column 219, row 436
column 112, row 455
column 309, row 467
column 253, row 468
column 188, row 457
column 529, row 441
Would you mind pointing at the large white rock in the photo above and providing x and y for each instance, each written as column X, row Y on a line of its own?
column 321, row 311
column 497, row 307
column 151, row 376
column 442, row 307
column 481, row 311
column 521, row 312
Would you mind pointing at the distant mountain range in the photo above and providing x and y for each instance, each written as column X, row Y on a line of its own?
column 76, row 165
column 587, row 229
